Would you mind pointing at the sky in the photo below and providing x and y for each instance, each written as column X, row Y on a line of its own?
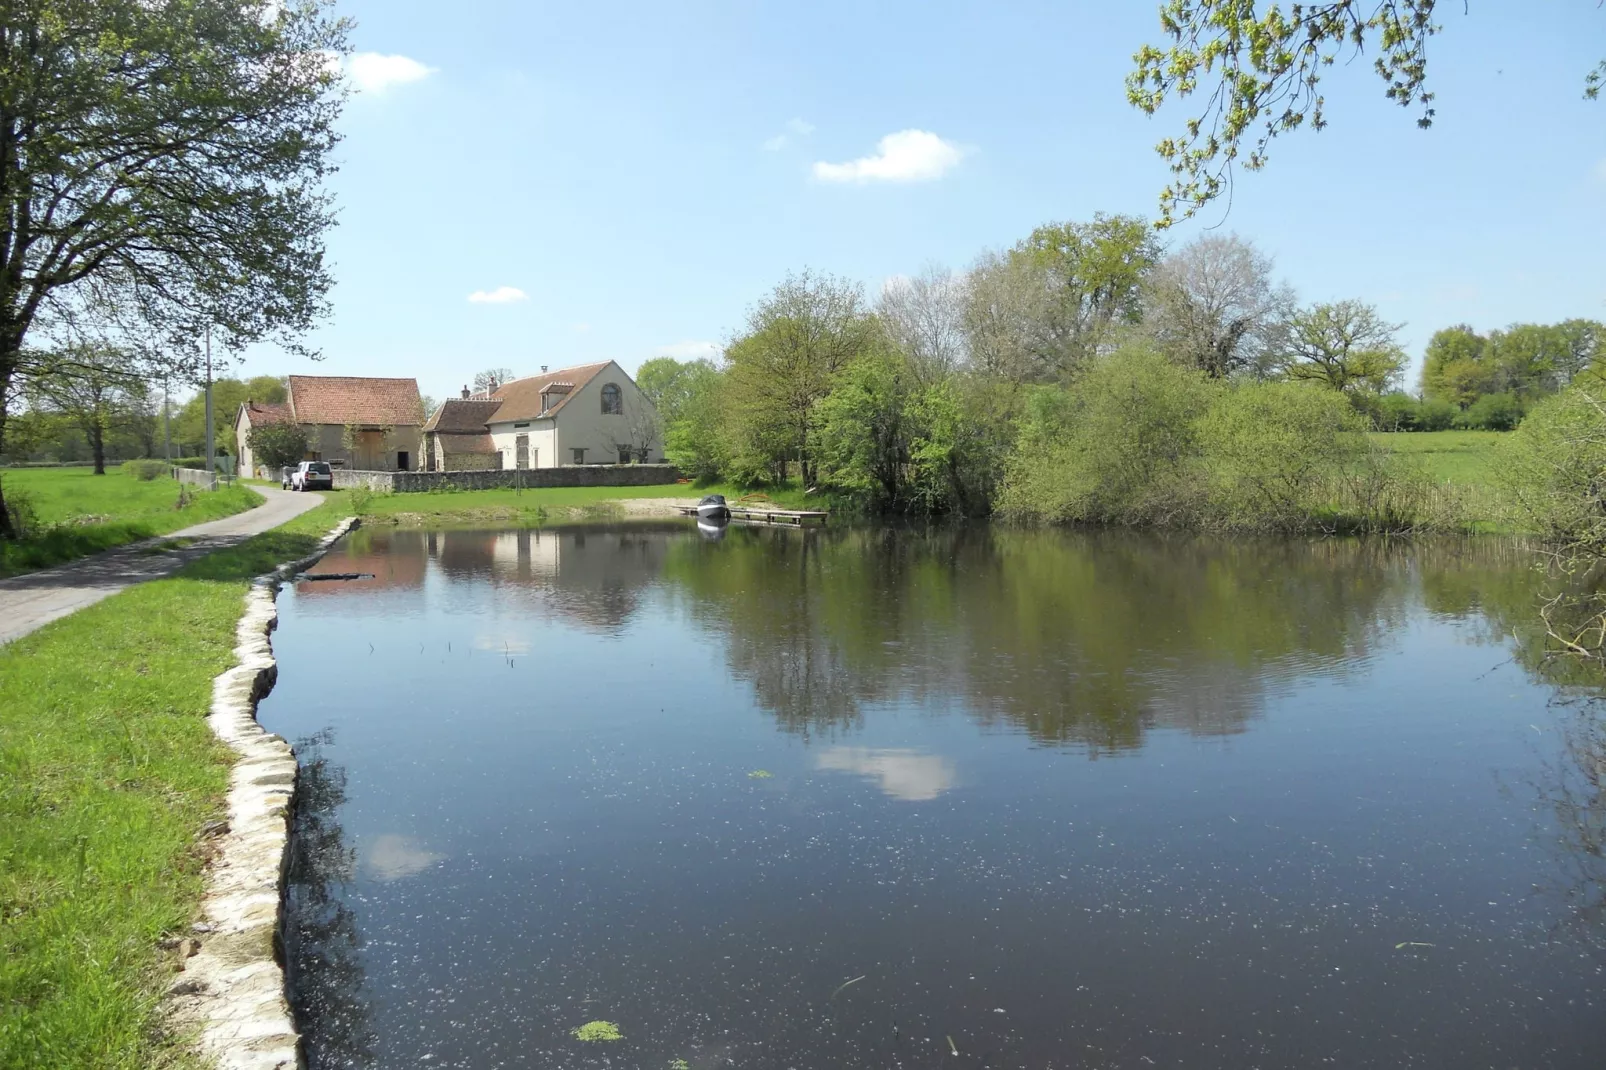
column 526, row 184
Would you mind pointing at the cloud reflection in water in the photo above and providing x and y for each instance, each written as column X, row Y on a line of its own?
column 903, row 774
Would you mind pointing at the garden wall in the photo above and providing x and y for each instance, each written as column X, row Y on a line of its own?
column 583, row 475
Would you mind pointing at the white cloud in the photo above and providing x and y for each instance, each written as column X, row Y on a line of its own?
column 374, row 72
column 391, row 857
column 902, row 774
column 502, row 295
column 796, row 127
column 688, row 350
column 907, row 156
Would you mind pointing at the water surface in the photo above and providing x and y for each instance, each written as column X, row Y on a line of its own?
column 978, row 798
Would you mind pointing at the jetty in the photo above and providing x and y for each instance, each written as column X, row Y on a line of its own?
column 752, row 515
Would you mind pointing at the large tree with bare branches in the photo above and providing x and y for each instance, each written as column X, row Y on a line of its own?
column 160, row 175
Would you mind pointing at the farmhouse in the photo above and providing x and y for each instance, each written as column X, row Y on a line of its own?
column 589, row 414
column 366, row 423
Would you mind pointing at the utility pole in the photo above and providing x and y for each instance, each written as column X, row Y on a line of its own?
column 211, row 458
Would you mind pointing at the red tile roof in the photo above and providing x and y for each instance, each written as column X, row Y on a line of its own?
column 349, row 399
column 264, row 412
column 462, row 416
column 458, row 443
column 521, row 398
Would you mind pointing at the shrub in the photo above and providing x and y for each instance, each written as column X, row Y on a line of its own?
column 1271, row 452
column 1117, row 447
column 24, row 517
column 1553, row 468
column 145, row 471
column 1436, row 414
column 1397, row 412
column 1492, row 412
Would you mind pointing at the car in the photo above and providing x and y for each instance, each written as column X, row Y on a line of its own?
column 312, row 475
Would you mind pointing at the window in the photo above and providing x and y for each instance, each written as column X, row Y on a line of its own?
column 612, row 401
column 524, row 424
column 624, row 455
column 401, row 460
column 580, row 455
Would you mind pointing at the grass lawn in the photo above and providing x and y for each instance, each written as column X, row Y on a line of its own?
column 108, row 771
column 77, row 512
column 1449, row 456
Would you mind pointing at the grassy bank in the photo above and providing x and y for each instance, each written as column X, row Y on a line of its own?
column 108, row 774
column 75, row 512
column 544, row 505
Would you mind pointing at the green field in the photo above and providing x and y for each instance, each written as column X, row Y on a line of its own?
column 75, row 512
column 107, row 775
column 1460, row 457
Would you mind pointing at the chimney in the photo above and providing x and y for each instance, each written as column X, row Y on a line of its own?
column 465, row 391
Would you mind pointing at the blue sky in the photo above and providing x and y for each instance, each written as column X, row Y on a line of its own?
column 642, row 173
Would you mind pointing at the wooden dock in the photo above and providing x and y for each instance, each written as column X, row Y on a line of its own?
column 793, row 517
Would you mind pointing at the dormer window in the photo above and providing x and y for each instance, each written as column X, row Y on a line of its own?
column 612, row 401
column 553, row 394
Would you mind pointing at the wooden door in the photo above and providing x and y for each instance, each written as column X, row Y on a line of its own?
column 521, row 451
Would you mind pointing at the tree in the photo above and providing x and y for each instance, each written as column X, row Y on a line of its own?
column 924, row 315
column 1525, row 356
column 1213, row 304
column 1263, row 69
column 93, row 388
column 1040, row 311
column 1455, row 367
column 491, row 378
column 797, row 340
column 670, row 384
column 696, row 434
column 281, row 444
column 1344, row 345
column 1584, row 346
column 160, row 173
column 189, row 424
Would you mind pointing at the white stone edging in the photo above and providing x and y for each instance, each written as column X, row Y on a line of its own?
column 231, row 988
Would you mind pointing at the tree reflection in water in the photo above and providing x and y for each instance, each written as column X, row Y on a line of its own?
column 323, row 958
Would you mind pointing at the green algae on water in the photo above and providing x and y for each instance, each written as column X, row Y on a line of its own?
column 760, row 774
column 597, row 1031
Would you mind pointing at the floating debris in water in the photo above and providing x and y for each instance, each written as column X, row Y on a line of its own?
column 952, row 1046
column 845, row 984
column 760, row 774
column 597, row 1031
column 1412, row 943
column 679, row 1064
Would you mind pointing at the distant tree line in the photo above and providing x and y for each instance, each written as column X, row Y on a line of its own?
column 945, row 390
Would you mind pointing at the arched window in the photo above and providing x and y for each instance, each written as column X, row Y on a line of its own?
column 612, row 402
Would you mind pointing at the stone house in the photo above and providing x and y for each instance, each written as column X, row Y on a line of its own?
column 369, row 424
column 589, row 414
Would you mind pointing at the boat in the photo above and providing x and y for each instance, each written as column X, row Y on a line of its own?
column 713, row 507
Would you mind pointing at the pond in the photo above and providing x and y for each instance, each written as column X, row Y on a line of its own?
column 976, row 797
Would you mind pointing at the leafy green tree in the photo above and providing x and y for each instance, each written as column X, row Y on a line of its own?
column 696, row 436
column 189, row 424
column 1492, row 412
column 161, row 173
column 670, row 384
column 867, row 426
column 1524, row 358
column 282, row 444
column 1344, row 345
column 93, row 387
column 1583, row 347
column 1260, row 73
column 1455, row 367
column 797, row 340
column 1042, row 310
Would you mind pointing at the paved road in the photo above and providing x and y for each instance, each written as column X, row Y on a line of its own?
column 30, row 601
